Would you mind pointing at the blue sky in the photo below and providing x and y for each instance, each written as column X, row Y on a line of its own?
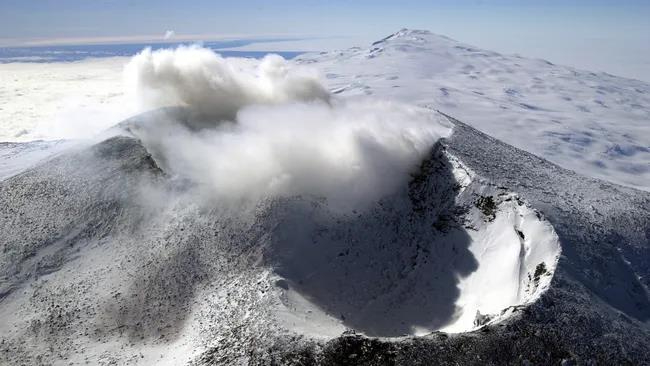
column 609, row 35
column 74, row 18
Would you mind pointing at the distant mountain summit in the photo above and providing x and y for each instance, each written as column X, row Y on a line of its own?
column 403, row 33
column 592, row 123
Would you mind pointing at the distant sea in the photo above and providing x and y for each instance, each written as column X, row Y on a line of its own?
column 69, row 53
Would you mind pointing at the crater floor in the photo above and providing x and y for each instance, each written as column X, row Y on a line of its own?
column 452, row 254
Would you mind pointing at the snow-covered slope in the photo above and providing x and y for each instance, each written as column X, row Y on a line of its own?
column 16, row 157
column 108, row 259
column 595, row 124
column 103, row 252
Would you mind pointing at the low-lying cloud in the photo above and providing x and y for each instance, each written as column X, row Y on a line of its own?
column 169, row 34
column 270, row 128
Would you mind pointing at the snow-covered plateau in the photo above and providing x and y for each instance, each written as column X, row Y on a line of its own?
column 256, row 215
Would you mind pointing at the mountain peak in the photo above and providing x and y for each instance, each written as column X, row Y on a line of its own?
column 410, row 34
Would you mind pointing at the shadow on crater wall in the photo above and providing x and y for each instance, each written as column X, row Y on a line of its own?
column 158, row 301
column 387, row 271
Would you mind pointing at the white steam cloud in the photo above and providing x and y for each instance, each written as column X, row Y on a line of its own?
column 273, row 130
column 216, row 87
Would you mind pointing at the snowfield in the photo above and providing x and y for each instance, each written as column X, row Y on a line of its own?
column 594, row 124
column 61, row 100
column 254, row 215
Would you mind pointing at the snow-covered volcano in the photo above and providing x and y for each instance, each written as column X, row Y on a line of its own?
column 269, row 222
column 108, row 257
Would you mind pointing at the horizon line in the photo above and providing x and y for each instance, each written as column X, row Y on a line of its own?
column 154, row 39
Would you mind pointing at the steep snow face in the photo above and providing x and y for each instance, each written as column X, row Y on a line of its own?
column 453, row 254
column 516, row 253
column 595, row 124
